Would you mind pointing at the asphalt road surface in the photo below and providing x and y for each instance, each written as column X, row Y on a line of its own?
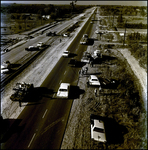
column 42, row 123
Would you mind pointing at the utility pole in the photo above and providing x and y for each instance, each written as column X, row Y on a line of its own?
column 124, row 33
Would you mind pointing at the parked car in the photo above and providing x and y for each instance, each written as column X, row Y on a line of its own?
column 98, row 130
column 93, row 80
column 65, row 53
column 63, row 91
column 108, row 82
column 85, row 59
column 98, row 53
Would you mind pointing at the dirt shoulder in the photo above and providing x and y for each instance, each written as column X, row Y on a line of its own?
column 126, row 119
column 139, row 72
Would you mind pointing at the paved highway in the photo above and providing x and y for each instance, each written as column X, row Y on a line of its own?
column 43, row 122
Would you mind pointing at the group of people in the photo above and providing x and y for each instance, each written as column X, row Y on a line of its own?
column 83, row 71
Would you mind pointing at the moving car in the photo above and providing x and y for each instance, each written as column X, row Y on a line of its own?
column 63, row 91
column 93, row 80
column 85, row 36
column 4, row 70
column 40, row 44
column 66, row 34
column 84, row 39
column 65, row 53
column 5, row 67
column 31, row 48
column 72, row 62
column 98, row 130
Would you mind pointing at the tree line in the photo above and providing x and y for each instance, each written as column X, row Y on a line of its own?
column 42, row 9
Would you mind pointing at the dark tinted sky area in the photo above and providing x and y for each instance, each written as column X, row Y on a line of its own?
column 133, row 3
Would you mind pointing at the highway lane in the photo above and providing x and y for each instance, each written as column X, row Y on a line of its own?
column 18, row 55
column 43, row 122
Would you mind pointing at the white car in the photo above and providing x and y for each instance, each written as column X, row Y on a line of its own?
column 98, row 53
column 65, row 53
column 85, row 36
column 40, row 44
column 4, row 70
column 93, row 80
column 63, row 91
column 98, row 131
column 66, row 34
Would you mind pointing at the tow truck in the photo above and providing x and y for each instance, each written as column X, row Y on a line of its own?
column 22, row 91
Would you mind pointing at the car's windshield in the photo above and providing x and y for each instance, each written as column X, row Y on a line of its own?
column 94, row 80
column 63, row 90
column 99, row 130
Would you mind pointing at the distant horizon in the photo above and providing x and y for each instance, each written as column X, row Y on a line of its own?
column 123, row 3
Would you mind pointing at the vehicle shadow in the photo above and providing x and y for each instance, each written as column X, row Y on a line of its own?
column 78, row 64
column 90, row 42
column 10, row 127
column 36, row 94
column 114, row 131
column 75, row 92
column 72, row 55
column 15, row 65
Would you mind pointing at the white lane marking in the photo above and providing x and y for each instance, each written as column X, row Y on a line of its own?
column 44, row 113
column 32, row 139
column 64, row 72
column 60, row 81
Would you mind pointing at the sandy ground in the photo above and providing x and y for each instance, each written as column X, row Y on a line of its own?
column 139, row 72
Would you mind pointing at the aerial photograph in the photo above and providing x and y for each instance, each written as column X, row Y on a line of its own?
column 73, row 74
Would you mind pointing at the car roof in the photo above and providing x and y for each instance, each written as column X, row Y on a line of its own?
column 93, row 77
column 99, row 123
column 64, row 85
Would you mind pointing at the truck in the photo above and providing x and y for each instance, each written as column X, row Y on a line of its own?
column 22, row 91
column 84, row 39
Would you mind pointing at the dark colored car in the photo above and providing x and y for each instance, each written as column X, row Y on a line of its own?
column 72, row 62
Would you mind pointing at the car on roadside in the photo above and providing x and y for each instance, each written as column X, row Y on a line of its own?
column 65, row 53
column 63, row 91
column 112, row 83
column 98, row 130
column 85, row 59
column 93, row 80
column 98, row 53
